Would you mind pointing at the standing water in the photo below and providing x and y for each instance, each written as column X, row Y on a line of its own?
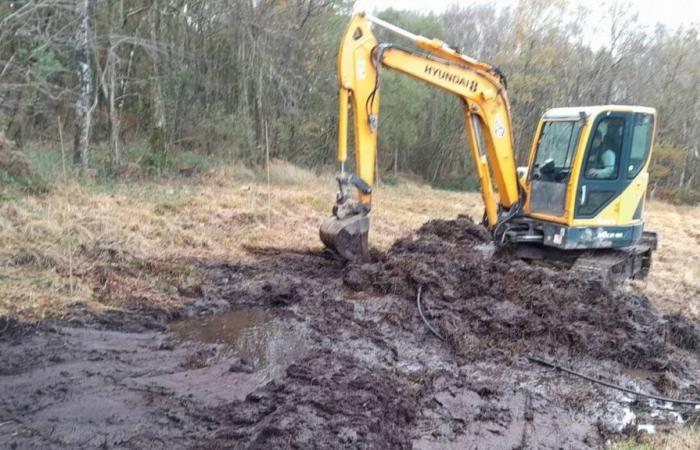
column 254, row 335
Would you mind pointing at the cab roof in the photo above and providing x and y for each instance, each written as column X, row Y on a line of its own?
column 574, row 112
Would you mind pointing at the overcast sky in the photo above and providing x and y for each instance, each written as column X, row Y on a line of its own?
column 672, row 13
column 669, row 12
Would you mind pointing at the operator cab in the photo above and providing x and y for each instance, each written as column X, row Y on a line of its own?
column 552, row 167
column 588, row 175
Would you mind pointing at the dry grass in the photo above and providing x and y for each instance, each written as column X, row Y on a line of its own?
column 683, row 439
column 674, row 281
column 132, row 242
column 129, row 244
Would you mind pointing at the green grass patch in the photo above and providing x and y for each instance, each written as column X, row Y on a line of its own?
column 460, row 184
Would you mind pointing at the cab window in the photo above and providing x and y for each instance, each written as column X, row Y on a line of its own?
column 641, row 143
column 555, row 150
column 603, row 157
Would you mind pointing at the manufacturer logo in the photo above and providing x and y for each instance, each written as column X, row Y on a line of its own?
column 459, row 80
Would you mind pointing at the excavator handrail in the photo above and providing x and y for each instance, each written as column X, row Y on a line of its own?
column 432, row 45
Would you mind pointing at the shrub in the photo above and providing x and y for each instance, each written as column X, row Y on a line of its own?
column 457, row 184
column 14, row 168
column 686, row 196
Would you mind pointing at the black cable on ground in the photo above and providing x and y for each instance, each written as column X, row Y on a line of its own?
column 557, row 367
column 420, row 311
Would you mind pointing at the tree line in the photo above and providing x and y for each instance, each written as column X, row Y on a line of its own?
column 151, row 81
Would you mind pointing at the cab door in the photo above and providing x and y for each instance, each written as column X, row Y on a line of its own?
column 607, row 151
column 628, row 182
column 551, row 169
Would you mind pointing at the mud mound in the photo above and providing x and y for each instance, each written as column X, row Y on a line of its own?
column 325, row 401
column 508, row 303
column 683, row 332
column 460, row 230
column 383, row 381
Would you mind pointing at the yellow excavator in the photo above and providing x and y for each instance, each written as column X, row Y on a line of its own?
column 580, row 198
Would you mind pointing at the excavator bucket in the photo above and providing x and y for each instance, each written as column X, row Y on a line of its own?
column 347, row 237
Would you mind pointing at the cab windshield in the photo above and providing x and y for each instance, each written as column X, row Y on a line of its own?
column 555, row 151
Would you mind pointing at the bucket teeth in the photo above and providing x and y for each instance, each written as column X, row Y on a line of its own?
column 347, row 237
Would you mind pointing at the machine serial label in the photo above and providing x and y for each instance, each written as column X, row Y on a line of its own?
column 451, row 77
column 602, row 234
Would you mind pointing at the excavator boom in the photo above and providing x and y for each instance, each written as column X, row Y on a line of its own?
column 481, row 88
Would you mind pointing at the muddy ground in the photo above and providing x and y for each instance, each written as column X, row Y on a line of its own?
column 302, row 350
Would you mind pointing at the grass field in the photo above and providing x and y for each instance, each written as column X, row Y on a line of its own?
column 137, row 243
column 54, row 246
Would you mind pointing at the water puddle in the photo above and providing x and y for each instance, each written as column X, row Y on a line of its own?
column 254, row 335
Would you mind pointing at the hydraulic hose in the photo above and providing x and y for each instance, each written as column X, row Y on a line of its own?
column 559, row 368
column 420, row 311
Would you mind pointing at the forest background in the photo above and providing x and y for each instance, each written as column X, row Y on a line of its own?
column 130, row 88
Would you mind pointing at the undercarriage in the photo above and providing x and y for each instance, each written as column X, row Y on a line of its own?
column 610, row 254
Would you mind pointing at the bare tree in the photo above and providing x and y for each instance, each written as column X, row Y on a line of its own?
column 158, row 131
column 204, row 77
column 83, row 106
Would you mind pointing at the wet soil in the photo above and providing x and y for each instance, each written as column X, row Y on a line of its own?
column 303, row 350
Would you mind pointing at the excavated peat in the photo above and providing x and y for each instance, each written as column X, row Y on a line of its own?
column 367, row 373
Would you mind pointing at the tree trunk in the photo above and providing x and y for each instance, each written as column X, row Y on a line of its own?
column 116, row 157
column 82, row 107
column 396, row 161
column 681, row 179
column 158, row 145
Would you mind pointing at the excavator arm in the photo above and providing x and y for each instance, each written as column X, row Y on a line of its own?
column 482, row 90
